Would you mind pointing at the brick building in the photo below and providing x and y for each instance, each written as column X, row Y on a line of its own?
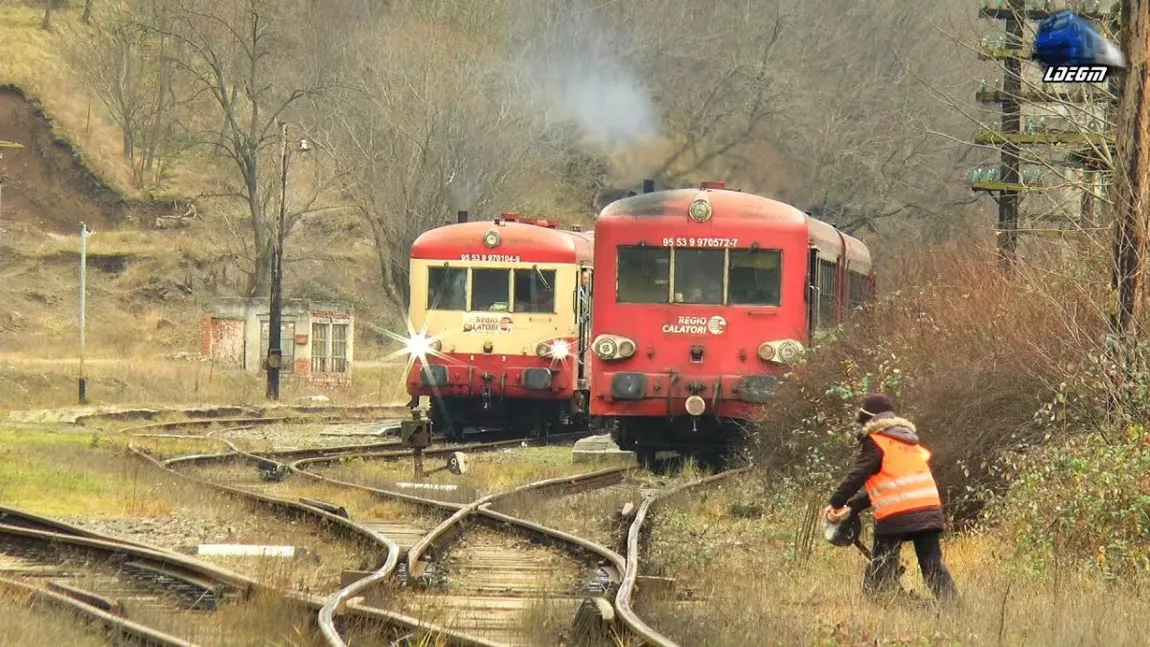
column 317, row 337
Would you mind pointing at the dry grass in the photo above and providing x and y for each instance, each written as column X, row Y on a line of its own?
column 34, row 62
column 27, row 622
column 754, row 587
column 35, row 383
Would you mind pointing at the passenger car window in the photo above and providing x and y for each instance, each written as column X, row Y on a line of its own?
column 446, row 288
column 489, row 290
column 699, row 276
column 754, row 277
column 644, row 274
column 534, row 290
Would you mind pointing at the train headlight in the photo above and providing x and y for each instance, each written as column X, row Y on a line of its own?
column 766, row 351
column 626, row 348
column 606, row 348
column 696, row 405
column 700, row 209
column 786, row 351
column 790, row 351
column 491, row 238
column 420, row 345
column 542, row 349
column 560, row 349
column 613, row 347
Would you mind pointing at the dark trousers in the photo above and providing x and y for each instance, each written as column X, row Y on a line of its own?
column 882, row 573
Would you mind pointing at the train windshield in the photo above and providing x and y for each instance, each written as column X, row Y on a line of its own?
column 754, row 277
column 534, row 290
column 446, row 288
column 699, row 276
column 644, row 274
column 490, row 290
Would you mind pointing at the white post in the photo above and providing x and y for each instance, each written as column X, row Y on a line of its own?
column 83, row 291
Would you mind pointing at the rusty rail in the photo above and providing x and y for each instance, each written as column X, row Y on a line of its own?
column 318, row 604
column 627, row 586
column 139, row 631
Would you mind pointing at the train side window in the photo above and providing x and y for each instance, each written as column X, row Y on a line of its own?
column 534, row 290
column 699, row 276
column 754, row 277
column 490, row 290
column 827, row 294
column 446, row 288
column 644, row 274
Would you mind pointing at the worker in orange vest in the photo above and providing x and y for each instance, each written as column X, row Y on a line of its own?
column 895, row 471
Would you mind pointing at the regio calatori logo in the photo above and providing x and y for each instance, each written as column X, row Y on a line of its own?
column 1075, row 74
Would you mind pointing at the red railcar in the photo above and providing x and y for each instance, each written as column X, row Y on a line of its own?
column 702, row 298
column 501, row 325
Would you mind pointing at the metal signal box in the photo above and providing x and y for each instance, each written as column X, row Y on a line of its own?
column 415, row 433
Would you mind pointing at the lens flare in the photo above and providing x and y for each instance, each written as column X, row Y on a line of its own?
column 560, row 349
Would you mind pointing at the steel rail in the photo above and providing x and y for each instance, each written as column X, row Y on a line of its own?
column 317, row 603
column 140, row 632
column 627, row 586
column 342, row 412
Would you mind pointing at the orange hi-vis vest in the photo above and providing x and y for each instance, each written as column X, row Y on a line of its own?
column 904, row 482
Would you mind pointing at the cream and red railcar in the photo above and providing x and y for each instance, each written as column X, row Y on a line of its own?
column 501, row 324
column 702, row 299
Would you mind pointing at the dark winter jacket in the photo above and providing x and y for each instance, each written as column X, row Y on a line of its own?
column 868, row 463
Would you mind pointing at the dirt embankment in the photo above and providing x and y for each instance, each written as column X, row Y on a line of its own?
column 46, row 185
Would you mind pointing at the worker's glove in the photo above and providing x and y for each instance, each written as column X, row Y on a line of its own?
column 836, row 516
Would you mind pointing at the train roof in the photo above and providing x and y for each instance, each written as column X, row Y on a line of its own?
column 737, row 205
column 532, row 240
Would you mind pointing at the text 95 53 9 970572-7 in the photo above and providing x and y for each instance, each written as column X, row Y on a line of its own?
column 502, row 258
column 700, row 242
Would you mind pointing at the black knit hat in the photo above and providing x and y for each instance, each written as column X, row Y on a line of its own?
column 874, row 404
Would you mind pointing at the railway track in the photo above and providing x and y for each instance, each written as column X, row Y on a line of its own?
column 626, row 591
column 151, row 595
column 382, row 530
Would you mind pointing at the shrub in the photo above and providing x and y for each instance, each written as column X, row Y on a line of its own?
column 968, row 354
column 1084, row 502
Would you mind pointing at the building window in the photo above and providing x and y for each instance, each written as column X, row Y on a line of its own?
column 699, row 276
column 319, row 340
column 287, row 346
column 446, row 288
column 534, row 290
column 644, row 274
column 754, row 277
column 490, row 290
column 339, row 348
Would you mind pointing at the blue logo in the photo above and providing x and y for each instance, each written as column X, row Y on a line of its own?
column 1073, row 51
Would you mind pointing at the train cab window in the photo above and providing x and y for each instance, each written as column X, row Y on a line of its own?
column 644, row 274
column 446, row 288
column 534, row 290
column 754, row 277
column 699, row 275
column 490, row 290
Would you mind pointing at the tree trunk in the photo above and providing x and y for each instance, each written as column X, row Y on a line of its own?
column 1131, row 169
column 87, row 17
column 47, row 22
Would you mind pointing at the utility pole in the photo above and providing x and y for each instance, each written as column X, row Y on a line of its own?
column 1132, row 169
column 83, row 293
column 275, row 349
column 1008, row 181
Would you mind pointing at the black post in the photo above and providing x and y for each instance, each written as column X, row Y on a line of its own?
column 1011, row 125
column 275, row 349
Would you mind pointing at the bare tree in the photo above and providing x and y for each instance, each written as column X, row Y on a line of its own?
column 129, row 62
column 237, row 58
column 426, row 129
column 87, row 16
